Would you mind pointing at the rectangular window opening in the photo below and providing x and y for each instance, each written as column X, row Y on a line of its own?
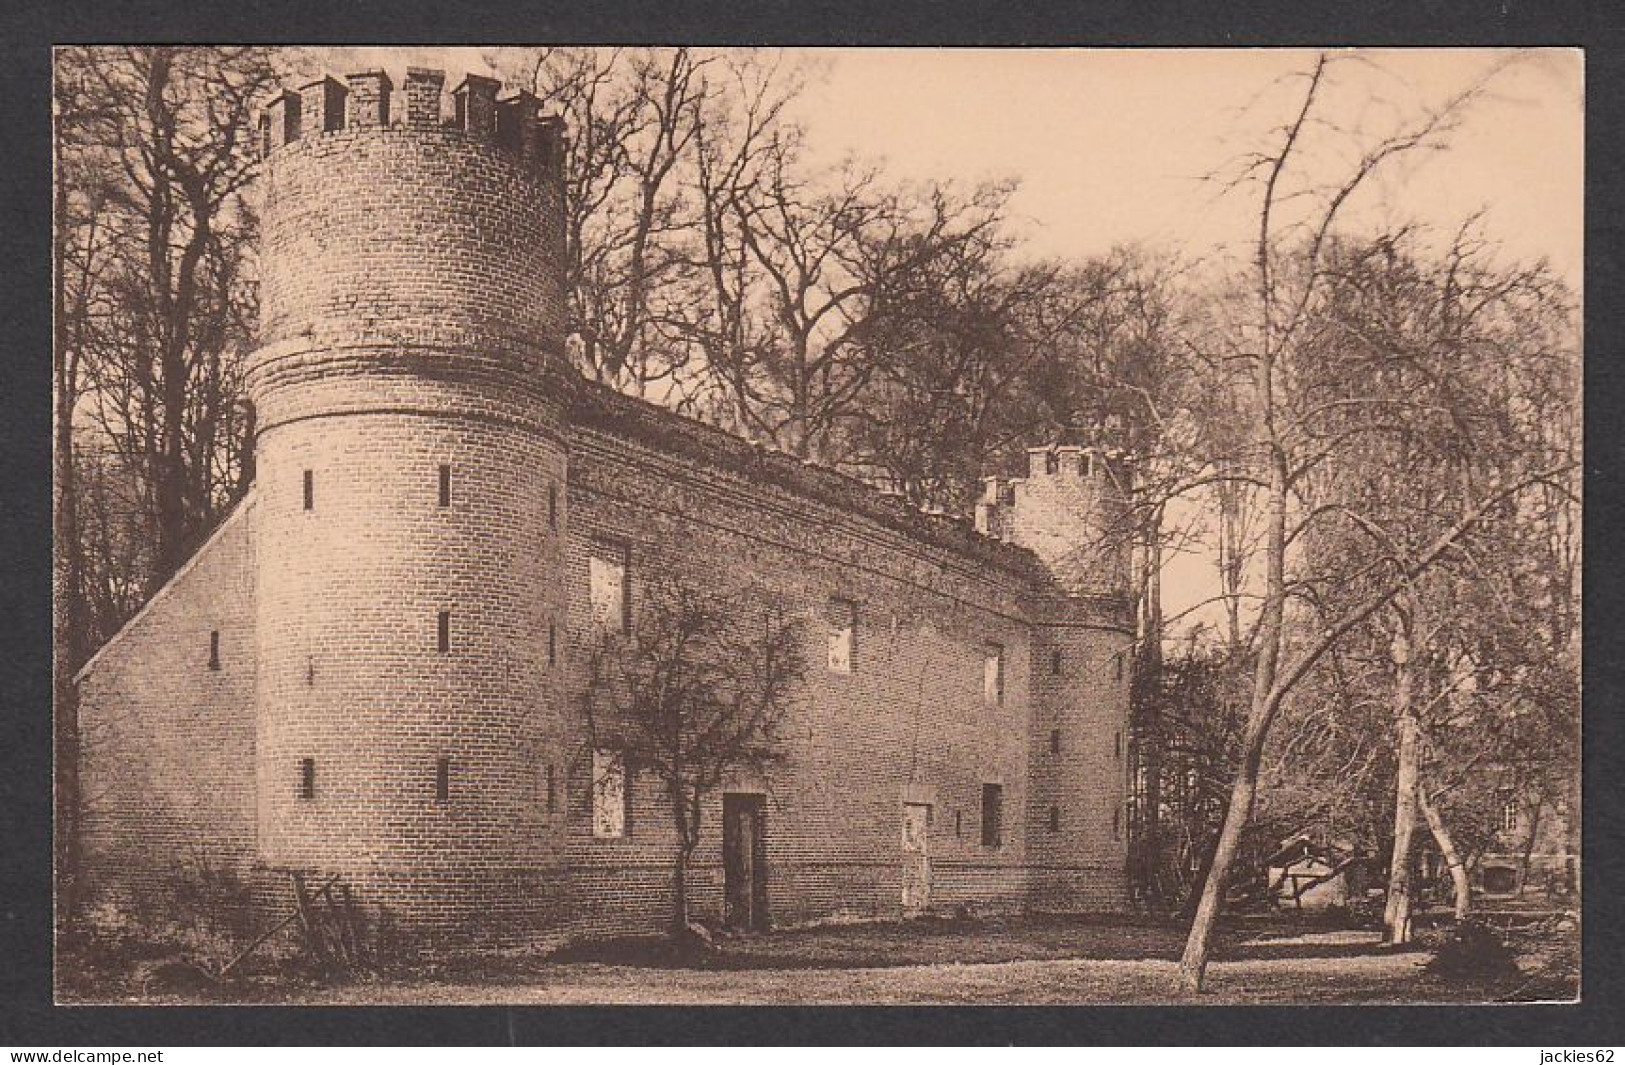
column 307, row 778
column 445, row 485
column 552, row 644
column 310, row 490
column 992, row 815
column 843, row 635
column 958, row 828
column 1055, row 663
column 1117, row 823
column 1054, row 818
column 610, row 588
column 1117, row 744
column 1054, row 741
column 214, row 649
column 609, row 795
column 442, row 779
column 552, row 506
column 993, row 676
column 552, row 790
column 443, row 631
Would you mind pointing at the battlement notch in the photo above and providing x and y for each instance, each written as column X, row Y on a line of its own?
column 365, row 100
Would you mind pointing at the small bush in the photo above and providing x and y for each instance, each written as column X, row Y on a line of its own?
column 1472, row 951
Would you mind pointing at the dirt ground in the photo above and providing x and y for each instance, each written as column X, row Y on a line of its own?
column 1017, row 961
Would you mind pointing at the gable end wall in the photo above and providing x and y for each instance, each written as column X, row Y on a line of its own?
column 167, row 769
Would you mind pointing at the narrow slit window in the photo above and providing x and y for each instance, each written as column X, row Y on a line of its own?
column 214, row 649
column 1117, row 823
column 1054, row 818
column 442, row 779
column 552, row 506
column 443, row 631
column 552, row 644
column 993, row 675
column 1055, row 663
column 1117, row 667
column 307, row 778
column 310, row 489
column 1117, row 744
column 843, row 635
column 552, row 790
column 958, row 826
column 445, row 485
column 1054, row 741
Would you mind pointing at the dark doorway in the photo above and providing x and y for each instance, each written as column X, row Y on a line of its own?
column 1500, row 880
column 743, row 864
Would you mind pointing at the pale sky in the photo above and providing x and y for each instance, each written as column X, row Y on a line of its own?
column 1110, row 145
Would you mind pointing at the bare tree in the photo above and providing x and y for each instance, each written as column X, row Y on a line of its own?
column 1461, row 365
column 698, row 689
column 800, row 262
column 152, row 306
column 77, row 262
column 1275, row 344
column 168, row 147
column 640, row 121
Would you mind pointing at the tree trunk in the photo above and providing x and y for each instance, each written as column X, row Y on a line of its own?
column 1147, row 764
column 686, row 819
column 68, row 590
column 679, row 893
column 1193, row 964
column 1452, row 857
column 1396, row 918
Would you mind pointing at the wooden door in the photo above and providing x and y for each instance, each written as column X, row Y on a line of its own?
column 744, row 870
column 916, row 857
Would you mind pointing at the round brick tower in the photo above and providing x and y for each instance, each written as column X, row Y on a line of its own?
column 409, row 515
column 1072, row 511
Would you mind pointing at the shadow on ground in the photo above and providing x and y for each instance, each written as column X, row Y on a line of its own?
column 1008, row 960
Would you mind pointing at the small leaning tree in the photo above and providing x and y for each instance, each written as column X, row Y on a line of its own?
column 696, row 689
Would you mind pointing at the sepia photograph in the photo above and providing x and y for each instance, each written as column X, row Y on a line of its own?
column 660, row 525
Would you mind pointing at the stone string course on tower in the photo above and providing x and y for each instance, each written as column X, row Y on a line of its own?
column 406, row 585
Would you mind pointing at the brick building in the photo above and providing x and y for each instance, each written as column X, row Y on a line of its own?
column 372, row 667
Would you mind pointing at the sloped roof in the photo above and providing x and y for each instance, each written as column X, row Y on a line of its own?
column 602, row 408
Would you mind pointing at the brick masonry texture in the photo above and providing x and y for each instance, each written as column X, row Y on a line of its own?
column 412, row 321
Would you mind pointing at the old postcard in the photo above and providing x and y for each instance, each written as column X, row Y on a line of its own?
column 675, row 525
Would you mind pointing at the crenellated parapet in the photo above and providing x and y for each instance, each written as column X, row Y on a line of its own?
column 412, row 251
column 366, row 100
column 1071, row 510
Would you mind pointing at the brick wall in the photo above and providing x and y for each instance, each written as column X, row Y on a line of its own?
column 411, row 310
column 350, row 599
column 1070, row 511
column 406, row 234
column 1078, row 752
column 412, row 304
column 910, row 721
column 168, row 742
